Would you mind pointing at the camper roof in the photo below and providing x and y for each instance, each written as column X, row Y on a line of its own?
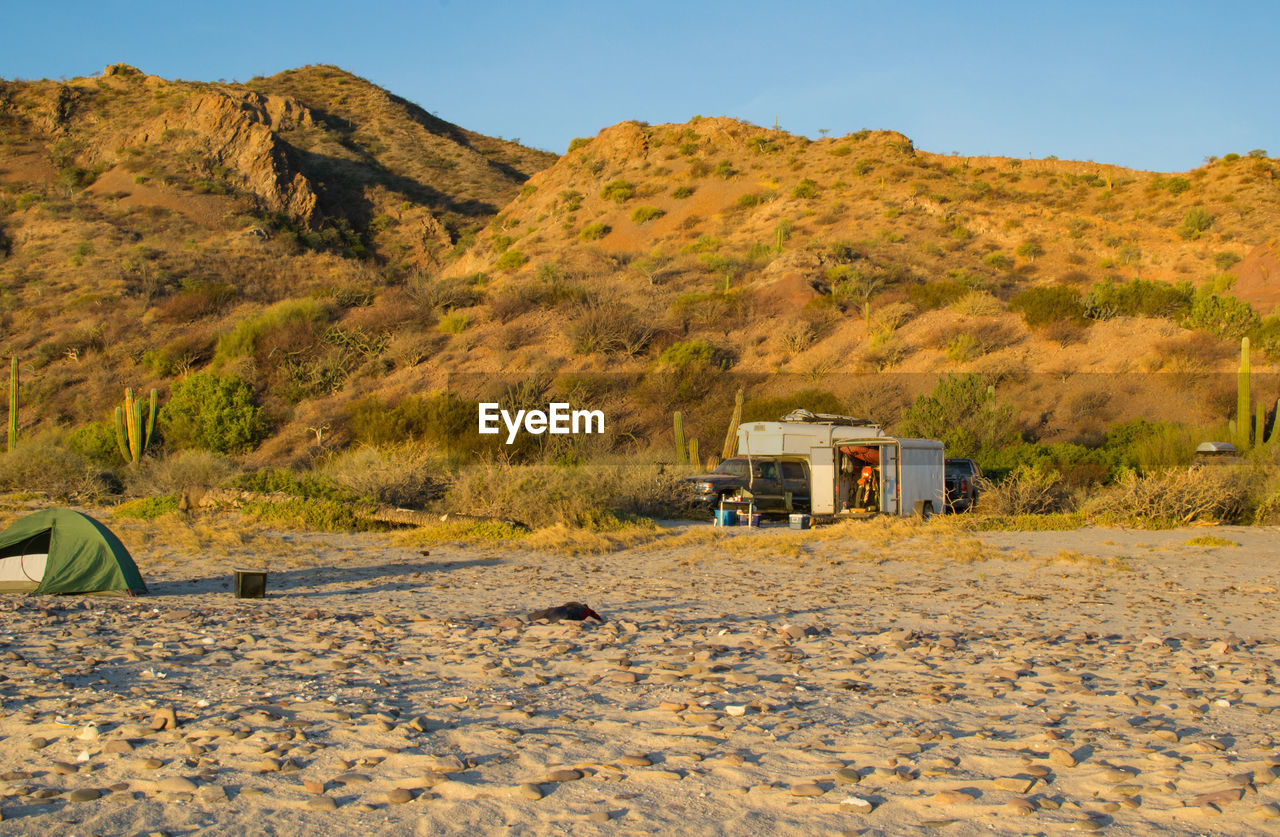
column 806, row 417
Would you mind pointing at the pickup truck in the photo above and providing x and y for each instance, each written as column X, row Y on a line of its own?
column 769, row 479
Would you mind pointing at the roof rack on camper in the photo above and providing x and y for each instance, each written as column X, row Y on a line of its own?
column 805, row 417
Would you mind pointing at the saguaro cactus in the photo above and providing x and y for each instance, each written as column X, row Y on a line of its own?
column 731, row 437
column 13, row 402
column 681, row 452
column 1244, row 422
column 132, row 434
column 693, row 452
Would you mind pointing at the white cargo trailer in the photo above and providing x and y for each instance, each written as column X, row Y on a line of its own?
column 853, row 466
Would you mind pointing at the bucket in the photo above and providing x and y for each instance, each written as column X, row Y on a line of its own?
column 251, row 584
column 749, row 519
column 800, row 521
column 726, row 517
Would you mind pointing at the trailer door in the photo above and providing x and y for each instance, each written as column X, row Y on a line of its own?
column 890, row 502
column 822, row 474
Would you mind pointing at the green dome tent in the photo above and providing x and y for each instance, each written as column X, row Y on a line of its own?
column 62, row 551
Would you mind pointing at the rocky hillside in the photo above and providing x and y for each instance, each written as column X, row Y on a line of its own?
column 342, row 250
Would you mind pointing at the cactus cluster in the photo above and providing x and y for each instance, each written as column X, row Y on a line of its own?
column 731, row 437
column 13, row 403
column 1249, row 427
column 681, row 451
column 133, row 435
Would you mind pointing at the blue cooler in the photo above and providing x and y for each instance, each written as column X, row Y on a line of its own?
column 749, row 519
column 726, row 517
column 801, row 521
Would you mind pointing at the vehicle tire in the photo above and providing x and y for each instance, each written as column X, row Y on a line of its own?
column 924, row 509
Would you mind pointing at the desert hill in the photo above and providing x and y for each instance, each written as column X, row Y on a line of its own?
column 342, row 250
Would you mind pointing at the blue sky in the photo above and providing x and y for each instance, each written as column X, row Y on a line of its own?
column 1157, row 85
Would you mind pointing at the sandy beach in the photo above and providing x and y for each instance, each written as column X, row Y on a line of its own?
column 879, row 678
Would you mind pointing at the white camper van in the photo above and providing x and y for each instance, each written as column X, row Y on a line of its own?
column 853, row 466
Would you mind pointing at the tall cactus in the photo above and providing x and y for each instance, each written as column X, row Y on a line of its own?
column 132, row 434
column 693, row 452
column 1244, row 422
column 13, row 403
column 1260, row 425
column 731, row 437
column 681, row 452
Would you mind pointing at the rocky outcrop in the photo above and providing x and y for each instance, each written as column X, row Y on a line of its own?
column 239, row 133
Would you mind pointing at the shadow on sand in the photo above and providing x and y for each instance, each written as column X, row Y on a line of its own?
column 318, row 581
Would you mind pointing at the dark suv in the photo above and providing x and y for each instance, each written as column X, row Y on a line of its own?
column 962, row 478
column 769, row 479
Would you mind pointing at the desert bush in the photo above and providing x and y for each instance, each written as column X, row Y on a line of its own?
column 407, row 476
column 965, row 414
column 455, row 322
column 609, row 328
column 1054, row 303
column 806, row 189
column 440, row 419
column 1194, row 223
column 1138, row 298
column 618, row 191
column 998, row 261
column 644, row 214
column 725, row 170
column 594, row 232
column 178, row 472
column 44, row 465
column 1176, row 496
column 977, row 304
column 1220, row 313
column 1026, row 490
column 245, row 338
column 211, row 412
column 682, row 192
column 931, row 295
column 511, row 260
column 584, row 496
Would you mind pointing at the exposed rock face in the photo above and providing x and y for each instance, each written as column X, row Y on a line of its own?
column 239, row 133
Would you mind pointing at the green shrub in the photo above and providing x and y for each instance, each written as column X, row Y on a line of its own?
column 454, row 322
column 96, row 442
column 1138, row 298
column 310, row 515
column 576, row 143
column 1030, row 250
column 210, row 412
column 806, row 189
column 682, row 192
column 1225, row 260
column 511, row 260
column 965, row 414
column 440, row 419
column 243, row 340
column 1194, row 223
column 594, row 232
column 725, row 170
column 998, row 261
column 618, row 191
column 1221, row 314
column 147, row 508
column 1043, row 305
column 932, row 295
column 644, row 214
